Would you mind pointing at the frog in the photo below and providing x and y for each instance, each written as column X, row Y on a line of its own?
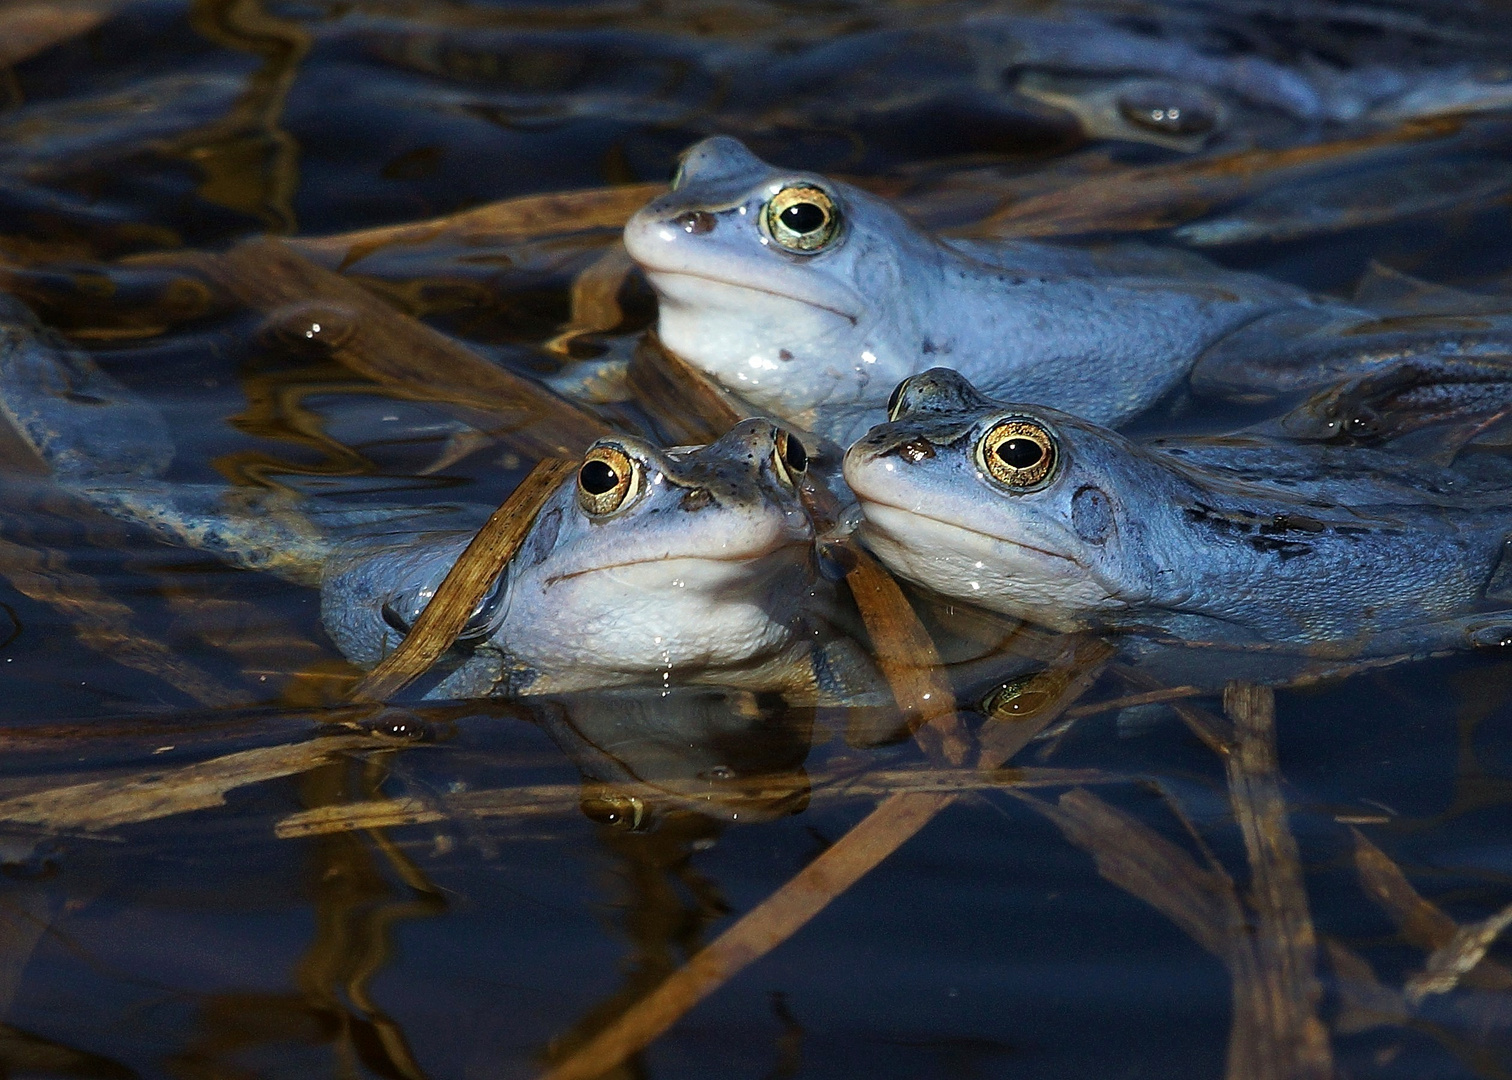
column 645, row 566
column 811, row 299
column 1314, row 550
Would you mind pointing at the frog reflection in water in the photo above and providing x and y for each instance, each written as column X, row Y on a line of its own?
column 812, row 299
column 730, row 755
column 645, row 566
column 1335, row 553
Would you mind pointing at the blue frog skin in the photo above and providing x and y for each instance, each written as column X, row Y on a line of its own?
column 1032, row 512
column 648, row 566
column 812, row 299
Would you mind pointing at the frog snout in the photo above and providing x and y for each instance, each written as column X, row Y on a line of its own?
column 912, row 448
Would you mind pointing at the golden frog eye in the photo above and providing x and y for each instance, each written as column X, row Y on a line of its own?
column 789, row 457
column 1017, row 699
column 802, row 218
column 607, row 480
column 1018, row 453
column 620, row 811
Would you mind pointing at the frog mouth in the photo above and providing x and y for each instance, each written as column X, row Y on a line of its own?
column 867, row 500
column 654, row 271
column 756, row 557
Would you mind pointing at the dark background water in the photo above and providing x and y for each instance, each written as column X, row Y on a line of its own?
column 483, row 943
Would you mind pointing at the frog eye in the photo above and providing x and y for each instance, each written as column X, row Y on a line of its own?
column 789, row 457
column 895, row 400
column 802, row 219
column 607, row 480
column 620, row 811
column 679, row 173
column 1018, row 453
column 1017, row 699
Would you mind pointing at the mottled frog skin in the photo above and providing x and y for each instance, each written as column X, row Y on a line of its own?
column 1033, row 512
column 812, row 299
column 648, row 566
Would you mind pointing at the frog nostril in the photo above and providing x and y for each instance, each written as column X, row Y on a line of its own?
column 697, row 222
column 917, row 449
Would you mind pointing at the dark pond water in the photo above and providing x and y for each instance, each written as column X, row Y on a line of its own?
column 211, row 867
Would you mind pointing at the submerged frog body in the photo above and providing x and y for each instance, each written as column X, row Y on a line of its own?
column 647, row 566
column 812, row 299
column 1033, row 512
column 1434, row 405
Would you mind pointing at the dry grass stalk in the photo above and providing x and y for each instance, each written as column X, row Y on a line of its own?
column 1140, row 861
column 1447, row 966
column 1364, row 1003
column 397, row 351
column 506, row 222
column 465, row 584
column 1149, row 697
column 595, row 298
column 144, row 796
column 1420, row 922
column 1215, row 731
column 534, row 801
column 1276, row 1030
column 755, row 934
column 1276, row 1033
column 1161, row 196
column 894, row 630
column 909, row 661
column 690, row 406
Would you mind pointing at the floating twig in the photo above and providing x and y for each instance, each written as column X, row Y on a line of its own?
column 595, row 299
column 395, row 350
column 1420, row 921
column 1447, row 966
column 908, row 660
column 145, row 796
column 532, row 801
column 465, row 584
column 508, row 221
column 688, row 405
column 756, row 933
column 1276, row 1030
column 895, row 631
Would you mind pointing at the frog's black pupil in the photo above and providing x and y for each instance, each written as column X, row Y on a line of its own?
column 804, row 217
column 895, row 397
column 597, row 477
column 794, row 456
column 1020, row 453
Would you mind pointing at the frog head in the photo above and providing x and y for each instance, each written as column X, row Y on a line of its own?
column 663, row 564
column 1019, row 508
column 777, row 282
column 647, row 565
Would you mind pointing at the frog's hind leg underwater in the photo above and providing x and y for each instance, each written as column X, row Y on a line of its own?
column 111, row 448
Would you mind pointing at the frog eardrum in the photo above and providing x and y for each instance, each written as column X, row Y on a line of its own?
column 803, row 219
column 1018, row 453
column 607, row 480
